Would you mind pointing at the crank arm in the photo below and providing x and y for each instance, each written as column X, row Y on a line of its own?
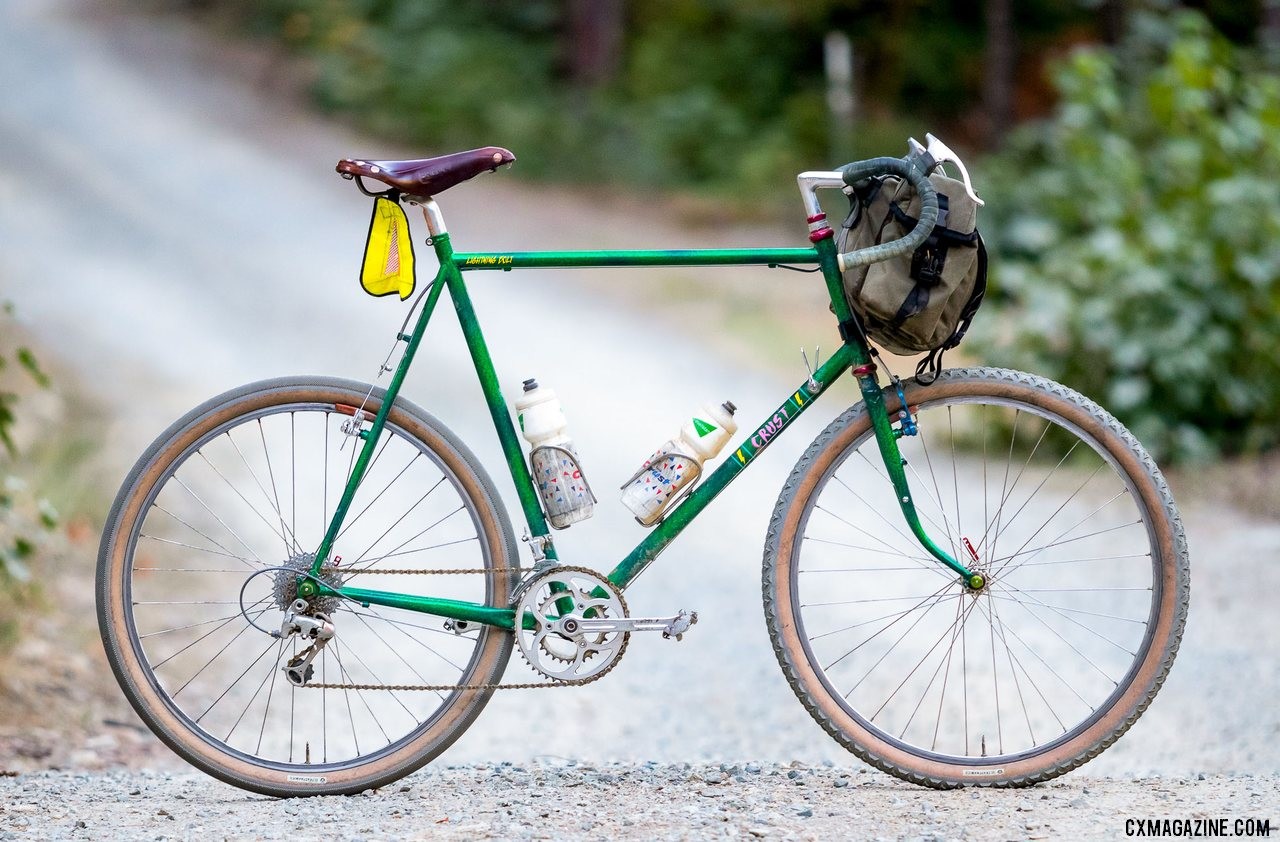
column 669, row 626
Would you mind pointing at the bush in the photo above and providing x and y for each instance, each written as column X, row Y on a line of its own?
column 22, row 517
column 1135, row 239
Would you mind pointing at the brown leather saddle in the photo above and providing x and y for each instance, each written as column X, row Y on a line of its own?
column 425, row 177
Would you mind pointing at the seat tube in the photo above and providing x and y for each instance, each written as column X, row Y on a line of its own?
column 498, row 410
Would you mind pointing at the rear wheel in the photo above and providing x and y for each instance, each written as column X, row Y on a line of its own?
column 1087, row 583
column 247, row 482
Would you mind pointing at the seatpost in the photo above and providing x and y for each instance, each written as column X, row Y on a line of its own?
column 435, row 219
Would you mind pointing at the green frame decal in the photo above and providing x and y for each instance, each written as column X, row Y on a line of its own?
column 852, row 355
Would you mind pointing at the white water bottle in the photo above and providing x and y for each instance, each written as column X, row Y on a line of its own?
column 678, row 462
column 557, row 472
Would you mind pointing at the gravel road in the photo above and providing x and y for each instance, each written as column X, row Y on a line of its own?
column 172, row 233
column 562, row 799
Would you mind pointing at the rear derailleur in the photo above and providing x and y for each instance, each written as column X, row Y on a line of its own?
column 317, row 628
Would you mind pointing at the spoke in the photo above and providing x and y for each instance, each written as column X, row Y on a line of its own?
column 1000, row 522
column 346, row 695
column 993, row 614
column 378, row 496
column 1045, row 664
column 1075, row 610
column 877, row 599
column 208, row 538
column 324, row 494
column 885, row 477
column 376, row 559
column 894, row 550
column 946, row 521
column 215, row 657
column 240, row 494
column 911, row 542
column 396, row 549
column 1073, row 621
column 359, row 695
column 275, row 495
column 933, row 599
column 197, row 498
column 1056, row 543
column 964, row 681
column 266, row 710
column 1061, row 506
column 293, row 698
column 872, row 620
column 378, row 615
column 1030, row 554
column 270, row 676
column 282, row 534
column 870, row 550
column 956, row 624
column 955, row 473
column 190, row 547
column 1004, row 526
column 401, row 657
column 400, row 519
column 1082, row 560
column 155, row 667
column 945, row 677
column 223, row 694
column 995, row 680
column 1007, row 496
column 888, row 651
column 189, row 626
column 184, row 570
column 949, row 630
column 403, row 623
column 1014, row 659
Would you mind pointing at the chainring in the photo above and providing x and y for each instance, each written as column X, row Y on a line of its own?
column 562, row 655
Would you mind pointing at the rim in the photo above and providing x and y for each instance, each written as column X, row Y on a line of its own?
column 1065, row 646
column 404, row 500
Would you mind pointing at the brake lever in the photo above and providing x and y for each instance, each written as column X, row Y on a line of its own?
column 938, row 153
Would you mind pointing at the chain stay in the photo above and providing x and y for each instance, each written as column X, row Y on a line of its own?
column 540, row 685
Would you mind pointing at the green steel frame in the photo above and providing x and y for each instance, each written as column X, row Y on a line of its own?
column 854, row 354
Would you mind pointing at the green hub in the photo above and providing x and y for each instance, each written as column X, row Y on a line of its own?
column 976, row 582
column 307, row 588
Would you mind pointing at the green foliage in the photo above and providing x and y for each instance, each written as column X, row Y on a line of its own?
column 22, row 518
column 1136, row 239
column 705, row 92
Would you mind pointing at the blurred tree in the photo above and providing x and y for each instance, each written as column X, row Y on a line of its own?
column 1136, row 238
column 594, row 40
column 997, row 85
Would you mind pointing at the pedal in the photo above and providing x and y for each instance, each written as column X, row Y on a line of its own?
column 680, row 624
column 669, row 626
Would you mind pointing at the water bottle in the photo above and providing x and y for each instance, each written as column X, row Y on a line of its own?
column 557, row 471
column 678, row 462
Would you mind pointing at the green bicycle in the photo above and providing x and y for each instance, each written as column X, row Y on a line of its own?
column 308, row 585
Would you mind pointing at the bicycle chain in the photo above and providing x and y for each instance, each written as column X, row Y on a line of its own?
column 571, row 682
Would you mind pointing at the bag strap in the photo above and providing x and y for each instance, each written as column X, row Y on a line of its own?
column 931, row 365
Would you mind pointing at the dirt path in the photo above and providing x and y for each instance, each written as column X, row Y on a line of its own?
column 556, row 800
column 171, row 233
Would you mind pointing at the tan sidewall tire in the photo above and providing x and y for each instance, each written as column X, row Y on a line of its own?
column 1174, row 573
column 447, row 726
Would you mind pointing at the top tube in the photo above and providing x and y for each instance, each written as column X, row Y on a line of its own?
column 634, row 257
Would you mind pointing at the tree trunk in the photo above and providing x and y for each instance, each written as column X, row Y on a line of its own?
column 594, row 40
column 1112, row 18
column 1001, row 59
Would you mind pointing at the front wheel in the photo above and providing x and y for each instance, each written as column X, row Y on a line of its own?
column 248, row 482
column 1087, row 583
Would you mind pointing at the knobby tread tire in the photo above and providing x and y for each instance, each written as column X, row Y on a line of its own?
column 131, row 674
column 1144, row 473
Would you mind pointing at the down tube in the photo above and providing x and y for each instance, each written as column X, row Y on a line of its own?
column 648, row 549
